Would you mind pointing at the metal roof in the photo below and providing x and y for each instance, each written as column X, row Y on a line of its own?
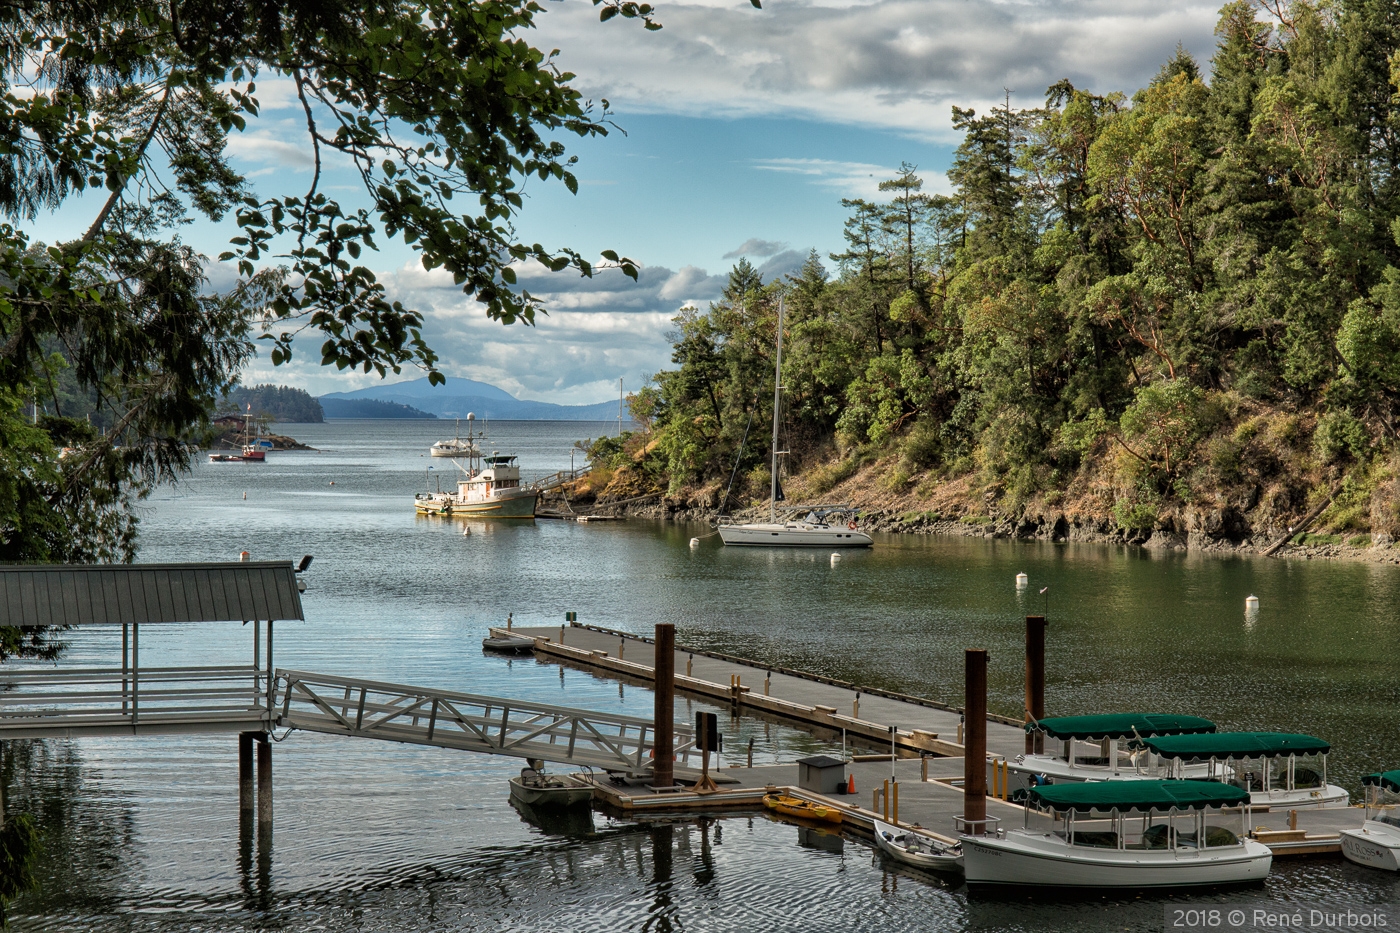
column 108, row 594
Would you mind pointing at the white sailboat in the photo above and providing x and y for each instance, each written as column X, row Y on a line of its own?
column 815, row 528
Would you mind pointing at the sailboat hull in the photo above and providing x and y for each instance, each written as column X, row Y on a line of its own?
column 792, row 535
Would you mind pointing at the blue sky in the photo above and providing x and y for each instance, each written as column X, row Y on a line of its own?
column 742, row 127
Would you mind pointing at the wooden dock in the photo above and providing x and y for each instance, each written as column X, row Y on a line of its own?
column 866, row 714
column 929, row 779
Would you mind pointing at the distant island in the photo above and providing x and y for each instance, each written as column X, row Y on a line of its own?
column 417, row 398
column 273, row 403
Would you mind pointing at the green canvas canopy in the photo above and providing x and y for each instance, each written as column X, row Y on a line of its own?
column 1390, row 780
column 1122, row 796
column 1236, row 745
column 1120, row 725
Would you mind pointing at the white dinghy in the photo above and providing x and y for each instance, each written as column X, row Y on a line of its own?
column 918, row 849
column 1124, row 835
column 1377, row 843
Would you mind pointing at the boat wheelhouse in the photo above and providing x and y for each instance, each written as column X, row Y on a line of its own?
column 1277, row 769
column 1377, row 843
column 489, row 487
column 1123, row 834
column 1097, row 748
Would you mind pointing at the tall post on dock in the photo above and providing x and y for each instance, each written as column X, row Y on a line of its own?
column 664, row 717
column 1035, row 681
column 975, row 740
column 247, row 799
column 264, row 781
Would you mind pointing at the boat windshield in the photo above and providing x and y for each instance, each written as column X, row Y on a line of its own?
column 1170, row 830
column 1383, row 804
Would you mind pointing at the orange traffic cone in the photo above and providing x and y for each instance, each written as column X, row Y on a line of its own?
column 851, row 784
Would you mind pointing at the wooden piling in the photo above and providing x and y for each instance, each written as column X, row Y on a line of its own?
column 1035, row 681
column 663, row 772
column 264, row 780
column 246, row 797
column 975, row 740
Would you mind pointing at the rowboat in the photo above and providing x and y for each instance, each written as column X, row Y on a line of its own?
column 788, row 805
column 537, row 789
column 918, row 849
column 508, row 644
column 1121, row 835
column 1377, row 843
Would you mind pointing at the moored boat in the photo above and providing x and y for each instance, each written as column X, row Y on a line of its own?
column 508, row 644
column 788, row 805
column 458, row 446
column 1099, row 747
column 489, row 487
column 1277, row 769
column 1377, row 843
column 918, row 849
column 254, row 448
column 1121, row 834
column 536, row 789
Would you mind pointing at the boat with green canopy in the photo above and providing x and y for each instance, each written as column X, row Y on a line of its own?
column 1278, row 769
column 1377, row 843
column 1095, row 748
column 1123, row 834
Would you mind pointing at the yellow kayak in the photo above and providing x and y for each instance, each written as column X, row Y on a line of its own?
column 802, row 809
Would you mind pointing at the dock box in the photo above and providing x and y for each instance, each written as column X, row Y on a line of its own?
column 821, row 774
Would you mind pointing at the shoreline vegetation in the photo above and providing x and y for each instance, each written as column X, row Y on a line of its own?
column 1168, row 319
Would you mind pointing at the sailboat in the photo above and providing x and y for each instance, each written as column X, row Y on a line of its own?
column 819, row 527
column 254, row 448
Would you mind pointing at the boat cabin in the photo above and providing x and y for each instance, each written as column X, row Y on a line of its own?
column 1140, row 815
column 497, row 472
column 1254, row 761
column 1383, row 797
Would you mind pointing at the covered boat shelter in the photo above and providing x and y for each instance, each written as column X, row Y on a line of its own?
column 45, row 700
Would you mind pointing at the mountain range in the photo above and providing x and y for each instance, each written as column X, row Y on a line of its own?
column 456, row 399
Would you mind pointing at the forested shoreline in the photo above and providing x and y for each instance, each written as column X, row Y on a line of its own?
column 1170, row 316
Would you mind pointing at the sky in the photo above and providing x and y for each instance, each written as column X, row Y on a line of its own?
column 741, row 131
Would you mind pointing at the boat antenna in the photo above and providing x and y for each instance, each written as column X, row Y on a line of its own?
column 777, row 409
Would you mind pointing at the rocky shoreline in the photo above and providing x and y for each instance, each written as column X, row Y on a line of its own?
column 1213, row 537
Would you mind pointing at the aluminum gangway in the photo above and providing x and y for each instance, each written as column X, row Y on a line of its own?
column 349, row 706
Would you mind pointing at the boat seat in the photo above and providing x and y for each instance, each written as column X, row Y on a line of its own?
column 1097, row 840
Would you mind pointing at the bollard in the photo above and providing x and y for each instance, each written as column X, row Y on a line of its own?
column 975, row 730
column 855, row 707
column 766, row 682
column 923, row 769
column 663, row 769
column 561, row 634
column 960, row 731
column 621, row 647
column 886, row 796
column 874, row 800
column 689, row 662
column 1293, row 819
column 1035, row 681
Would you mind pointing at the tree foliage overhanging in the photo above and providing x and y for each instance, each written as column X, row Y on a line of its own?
column 113, row 345
column 1189, row 297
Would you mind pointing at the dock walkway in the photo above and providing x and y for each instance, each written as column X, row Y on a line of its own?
column 866, row 714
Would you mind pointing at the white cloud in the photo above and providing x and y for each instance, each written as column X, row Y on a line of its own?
column 261, row 146
column 897, row 64
column 756, row 247
column 848, row 179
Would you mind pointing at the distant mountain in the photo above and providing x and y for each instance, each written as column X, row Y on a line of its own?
column 369, row 408
column 461, row 397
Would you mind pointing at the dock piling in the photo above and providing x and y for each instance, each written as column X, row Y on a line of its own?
column 885, row 798
column 663, row 771
column 1035, row 681
column 246, row 799
column 264, row 780
column 975, row 733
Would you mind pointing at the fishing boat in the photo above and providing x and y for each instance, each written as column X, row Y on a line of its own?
column 788, row 805
column 536, row 789
column 254, row 448
column 918, row 849
column 488, row 488
column 1377, row 843
column 813, row 530
column 457, row 447
column 1277, row 769
column 1099, row 747
column 1123, row 835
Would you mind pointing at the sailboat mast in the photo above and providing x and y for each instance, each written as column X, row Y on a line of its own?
column 777, row 413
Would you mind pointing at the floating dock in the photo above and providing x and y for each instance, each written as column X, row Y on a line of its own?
column 921, row 786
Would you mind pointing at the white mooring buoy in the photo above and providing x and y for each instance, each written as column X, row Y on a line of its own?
column 835, row 559
column 1022, row 581
column 466, row 531
column 1251, row 604
column 694, row 542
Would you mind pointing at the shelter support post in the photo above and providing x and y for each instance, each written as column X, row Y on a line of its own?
column 135, row 671
column 271, row 690
column 975, row 740
column 1035, row 681
column 264, row 780
column 663, row 773
column 126, row 654
column 245, row 772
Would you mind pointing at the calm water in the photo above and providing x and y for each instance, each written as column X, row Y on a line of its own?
column 143, row 833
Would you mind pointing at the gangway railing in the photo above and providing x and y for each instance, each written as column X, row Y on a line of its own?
column 491, row 725
column 557, row 479
column 47, row 702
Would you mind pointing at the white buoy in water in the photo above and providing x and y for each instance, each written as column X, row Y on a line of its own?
column 1022, row 581
column 835, row 559
column 466, row 531
column 694, row 542
column 1251, row 604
